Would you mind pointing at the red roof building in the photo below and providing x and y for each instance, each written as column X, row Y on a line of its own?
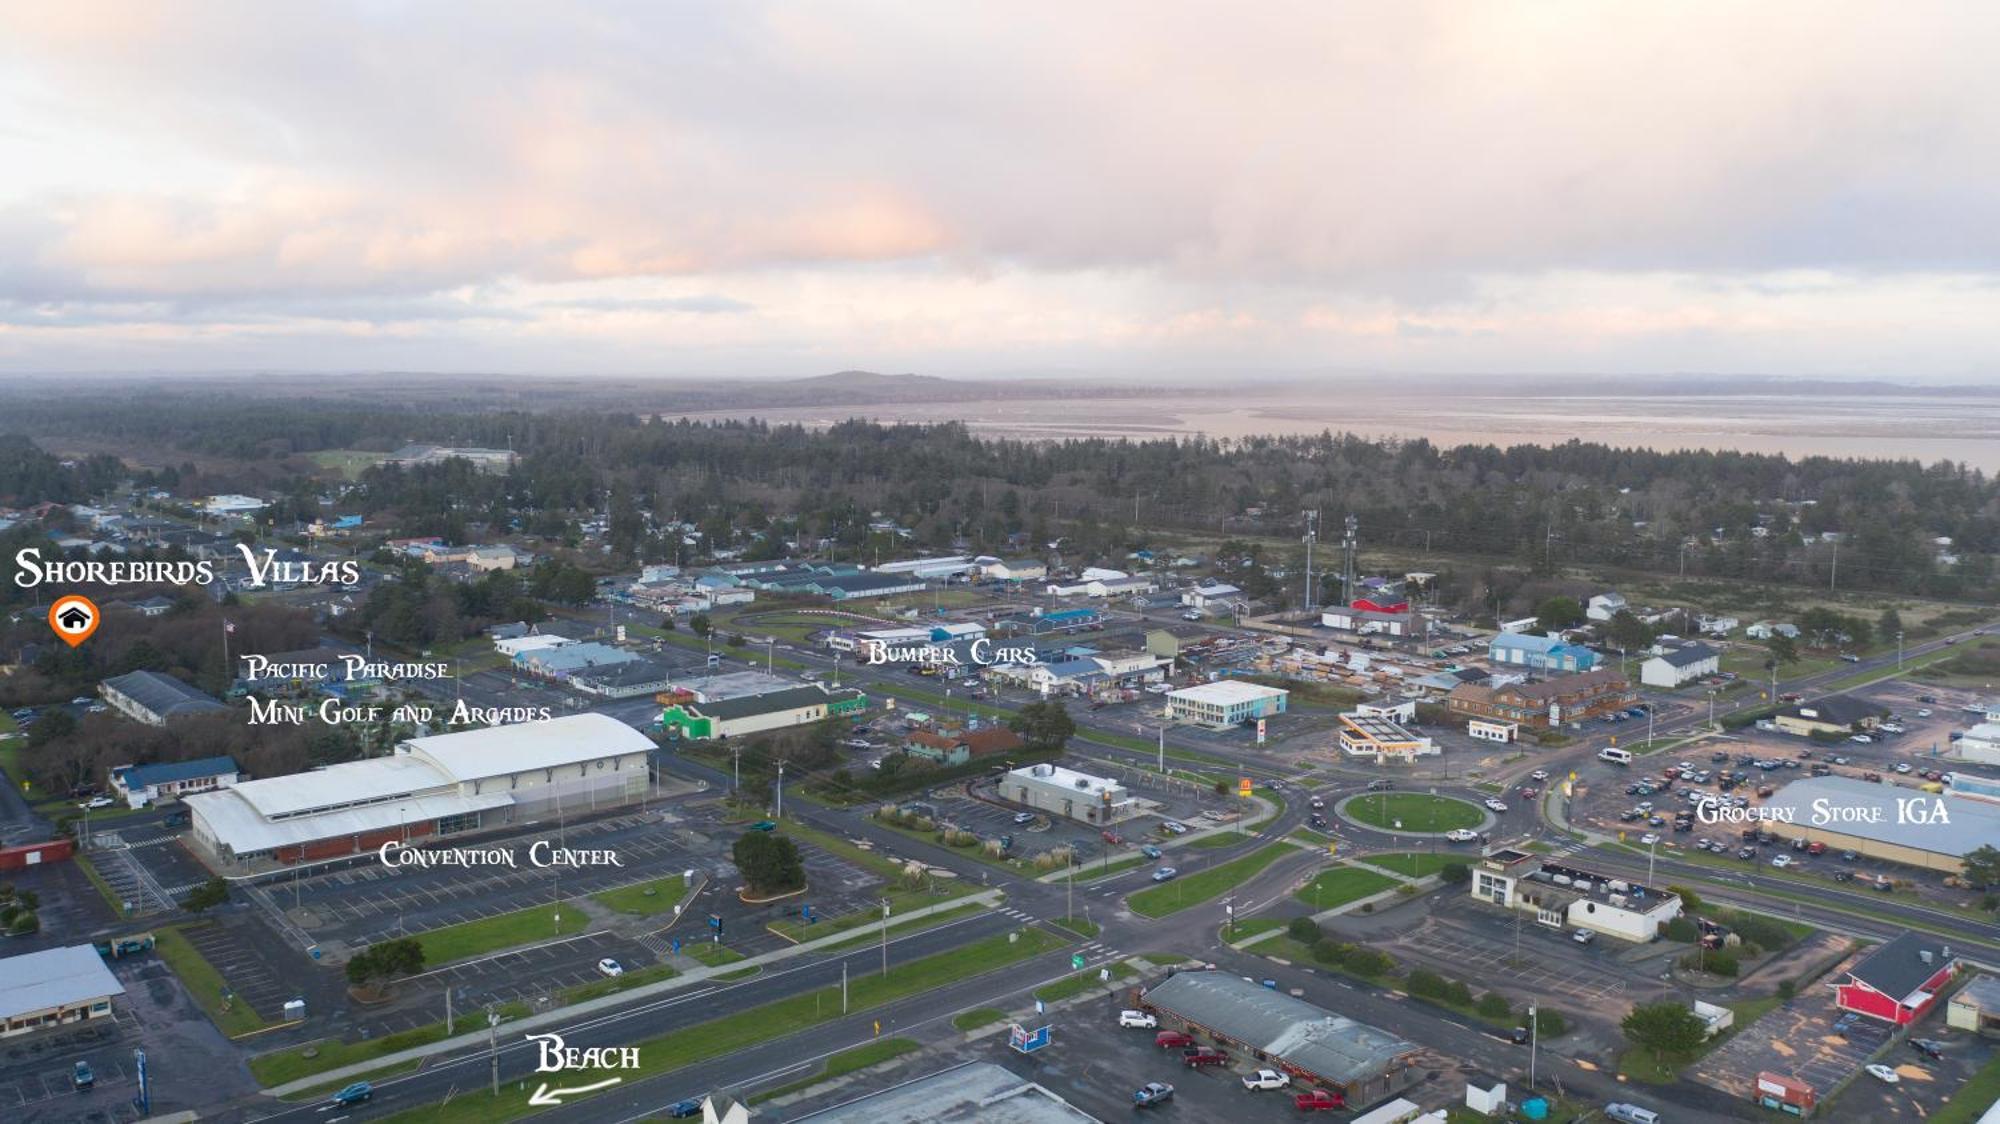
column 1899, row 982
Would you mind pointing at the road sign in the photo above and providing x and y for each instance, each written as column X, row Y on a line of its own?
column 1260, row 731
column 1028, row 1041
column 1076, row 960
column 1333, row 847
column 1243, row 787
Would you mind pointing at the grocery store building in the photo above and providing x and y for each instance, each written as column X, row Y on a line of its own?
column 448, row 784
column 1309, row 1042
column 1884, row 821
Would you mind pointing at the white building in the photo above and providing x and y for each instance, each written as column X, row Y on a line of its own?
column 1980, row 745
column 1119, row 587
column 1489, row 731
column 1370, row 622
column 233, row 505
column 1101, row 574
column 54, row 987
column 1016, row 570
column 533, row 642
column 429, row 787
column 1717, row 626
column 1764, row 630
column 1070, row 794
column 1213, row 595
column 1564, row 897
column 1605, row 605
column 1680, row 665
column 1225, row 703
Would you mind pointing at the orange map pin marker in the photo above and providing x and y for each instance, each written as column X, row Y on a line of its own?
column 74, row 618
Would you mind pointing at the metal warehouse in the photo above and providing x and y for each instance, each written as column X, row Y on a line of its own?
column 1309, row 1042
column 1884, row 821
column 434, row 786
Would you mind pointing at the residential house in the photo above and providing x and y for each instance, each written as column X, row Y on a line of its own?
column 1764, row 630
column 142, row 785
column 1680, row 665
column 1605, row 605
column 1212, row 595
column 957, row 747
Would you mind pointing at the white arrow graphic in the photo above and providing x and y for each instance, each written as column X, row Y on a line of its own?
column 546, row 1096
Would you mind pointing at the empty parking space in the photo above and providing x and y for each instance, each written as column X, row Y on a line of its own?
column 531, row 974
column 120, row 866
column 1798, row 1041
column 243, row 968
column 1471, row 956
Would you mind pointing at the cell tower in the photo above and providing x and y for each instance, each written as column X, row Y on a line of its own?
column 1347, row 548
column 1312, row 536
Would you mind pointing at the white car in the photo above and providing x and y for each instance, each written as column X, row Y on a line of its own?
column 96, row 802
column 1781, row 861
column 1461, row 835
column 1266, row 1079
column 1924, row 713
column 1864, row 739
column 1884, row 1073
column 610, row 967
column 1902, row 766
column 1495, row 806
column 1140, row 1019
column 1650, row 838
column 1539, row 775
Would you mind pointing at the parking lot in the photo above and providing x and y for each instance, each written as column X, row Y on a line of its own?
column 1475, row 950
column 1924, row 1084
column 1797, row 1040
column 535, row 975
column 244, row 965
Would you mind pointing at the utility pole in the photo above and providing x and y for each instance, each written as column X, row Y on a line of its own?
column 1312, row 535
column 1347, row 548
column 1534, row 1041
column 736, row 766
column 448, row 1024
column 493, row 1046
column 1899, row 649
column 1069, row 894
column 1163, row 749
column 1833, row 576
column 843, row 987
column 781, row 773
column 885, row 938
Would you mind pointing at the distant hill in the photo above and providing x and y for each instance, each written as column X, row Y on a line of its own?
column 869, row 380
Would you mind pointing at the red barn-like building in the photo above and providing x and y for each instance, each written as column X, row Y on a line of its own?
column 1899, row 982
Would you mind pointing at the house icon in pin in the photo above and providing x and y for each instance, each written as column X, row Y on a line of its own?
column 74, row 618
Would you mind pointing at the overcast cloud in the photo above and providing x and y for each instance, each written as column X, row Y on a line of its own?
column 956, row 188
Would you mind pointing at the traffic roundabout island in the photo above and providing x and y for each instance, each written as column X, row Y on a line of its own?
column 1412, row 813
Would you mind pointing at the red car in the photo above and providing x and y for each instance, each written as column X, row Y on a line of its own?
column 1171, row 1040
column 1319, row 1100
column 1204, row 1056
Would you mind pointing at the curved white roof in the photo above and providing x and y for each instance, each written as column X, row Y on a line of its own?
column 499, row 750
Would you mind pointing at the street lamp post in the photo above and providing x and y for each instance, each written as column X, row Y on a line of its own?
column 781, row 791
column 1534, row 1040
column 1899, row 649
column 885, row 937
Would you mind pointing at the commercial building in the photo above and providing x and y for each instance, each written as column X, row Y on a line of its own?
column 1539, row 653
column 1541, row 704
column 1213, row 595
column 486, row 460
column 54, row 987
column 1834, row 715
column 1489, row 731
column 754, row 714
column 1884, row 821
column 1312, row 1044
column 1225, row 703
column 929, row 569
column 1976, row 1006
column 233, row 505
column 1676, row 666
column 1070, row 794
column 1064, row 620
column 1373, row 736
column 1564, row 897
column 153, row 698
column 973, row 1093
column 442, row 785
column 1016, row 570
column 630, row 679
column 1368, row 622
column 957, row 747
column 141, row 785
column 1979, row 745
column 1900, row 981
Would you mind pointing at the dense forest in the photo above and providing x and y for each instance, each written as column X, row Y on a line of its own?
column 764, row 488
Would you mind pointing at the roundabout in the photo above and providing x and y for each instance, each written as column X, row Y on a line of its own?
column 1412, row 813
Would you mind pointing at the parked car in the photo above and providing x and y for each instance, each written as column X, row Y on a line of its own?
column 1843, row 876
column 1172, row 1040
column 683, row 1110
column 1884, row 1073
column 1202, row 1056
column 82, row 1078
column 1461, row 835
column 1164, row 874
column 1152, row 1093
column 1141, row 1019
column 1173, row 827
column 1319, row 1100
column 1649, row 838
column 1151, row 851
column 1024, row 818
column 1928, row 1047
column 1583, row 936
column 1266, row 1079
column 1903, row 767
column 1781, row 861
column 97, row 802
column 1518, row 1036
column 610, row 967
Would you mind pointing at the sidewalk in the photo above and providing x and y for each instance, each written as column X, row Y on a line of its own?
column 562, row 1015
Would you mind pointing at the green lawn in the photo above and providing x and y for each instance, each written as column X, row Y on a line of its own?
column 1412, row 864
column 1972, row 1098
column 1248, row 928
column 281, row 1067
column 977, row 1017
column 711, row 953
column 610, row 985
column 901, row 901
column 491, row 934
column 1083, row 981
column 1339, row 885
column 847, row 1061
column 740, row 1030
column 646, row 899
column 1418, row 812
column 1641, row 1065
column 1218, row 841
column 1090, row 872
column 236, row 1018
column 901, row 929
column 1194, row 889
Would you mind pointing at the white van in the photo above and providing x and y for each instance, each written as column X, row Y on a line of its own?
column 1615, row 756
column 1631, row 1113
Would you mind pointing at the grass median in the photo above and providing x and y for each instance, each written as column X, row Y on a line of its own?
column 844, row 1063
column 742, row 1030
column 532, row 925
column 646, row 898
column 1086, row 980
column 281, row 1067
column 1194, row 889
column 1412, row 864
column 233, row 1017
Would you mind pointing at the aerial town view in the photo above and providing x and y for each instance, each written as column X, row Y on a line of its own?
column 883, row 564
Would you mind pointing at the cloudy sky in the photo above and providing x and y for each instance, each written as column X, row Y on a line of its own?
column 966, row 188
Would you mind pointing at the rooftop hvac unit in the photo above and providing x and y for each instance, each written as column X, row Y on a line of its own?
column 1584, row 885
column 1618, row 900
column 1561, row 879
column 1924, row 954
column 1081, row 783
column 1620, row 885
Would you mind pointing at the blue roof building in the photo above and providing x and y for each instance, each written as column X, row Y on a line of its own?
column 1539, row 653
column 141, row 785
